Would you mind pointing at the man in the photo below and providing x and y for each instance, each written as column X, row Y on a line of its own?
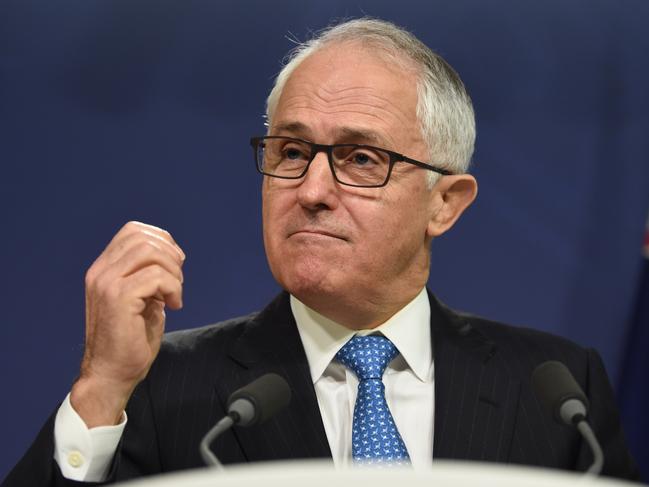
column 369, row 139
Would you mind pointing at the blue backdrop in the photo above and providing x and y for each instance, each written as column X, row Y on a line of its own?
column 118, row 110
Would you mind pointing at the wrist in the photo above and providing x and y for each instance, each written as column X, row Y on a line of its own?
column 100, row 402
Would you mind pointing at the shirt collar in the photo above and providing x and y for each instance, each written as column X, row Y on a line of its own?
column 408, row 330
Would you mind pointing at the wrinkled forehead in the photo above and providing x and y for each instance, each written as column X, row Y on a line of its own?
column 368, row 48
column 350, row 81
column 339, row 60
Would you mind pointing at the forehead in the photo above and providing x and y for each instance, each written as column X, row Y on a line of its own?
column 350, row 88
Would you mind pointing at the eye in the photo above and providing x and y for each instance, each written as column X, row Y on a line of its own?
column 294, row 152
column 361, row 158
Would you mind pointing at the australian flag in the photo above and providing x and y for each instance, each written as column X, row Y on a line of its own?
column 634, row 381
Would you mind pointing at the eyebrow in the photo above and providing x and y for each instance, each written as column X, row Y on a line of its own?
column 294, row 128
column 369, row 136
column 346, row 134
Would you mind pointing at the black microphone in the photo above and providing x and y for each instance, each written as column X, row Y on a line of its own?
column 558, row 392
column 252, row 404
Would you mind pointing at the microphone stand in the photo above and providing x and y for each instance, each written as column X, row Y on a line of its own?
column 598, row 456
column 208, row 457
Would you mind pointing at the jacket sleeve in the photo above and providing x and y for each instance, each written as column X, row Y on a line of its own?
column 136, row 455
column 38, row 467
column 605, row 421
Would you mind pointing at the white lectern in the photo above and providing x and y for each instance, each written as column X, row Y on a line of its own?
column 323, row 474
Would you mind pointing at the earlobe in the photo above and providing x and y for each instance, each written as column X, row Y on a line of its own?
column 451, row 196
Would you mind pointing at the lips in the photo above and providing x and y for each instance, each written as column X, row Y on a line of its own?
column 316, row 232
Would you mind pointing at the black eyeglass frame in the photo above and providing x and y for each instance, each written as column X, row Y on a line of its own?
column 395, row 157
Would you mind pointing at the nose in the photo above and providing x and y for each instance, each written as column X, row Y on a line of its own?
column 318, row 189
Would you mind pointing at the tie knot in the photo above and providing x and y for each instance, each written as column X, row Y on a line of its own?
column 367, row 356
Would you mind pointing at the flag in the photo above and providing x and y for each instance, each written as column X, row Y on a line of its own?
column 634, row 380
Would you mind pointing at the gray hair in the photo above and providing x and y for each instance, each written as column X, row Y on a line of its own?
column 444, row 108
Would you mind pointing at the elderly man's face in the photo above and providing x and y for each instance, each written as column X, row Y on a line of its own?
column 339, row 248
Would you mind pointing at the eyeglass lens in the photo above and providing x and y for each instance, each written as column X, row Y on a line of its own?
column 288, row 158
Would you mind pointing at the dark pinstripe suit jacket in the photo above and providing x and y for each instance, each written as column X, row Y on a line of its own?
column 484, row 407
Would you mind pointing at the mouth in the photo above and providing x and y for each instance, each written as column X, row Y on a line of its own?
column 316, row 233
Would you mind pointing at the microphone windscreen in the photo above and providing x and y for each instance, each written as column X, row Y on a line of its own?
column 553, row 385
column 268, row 394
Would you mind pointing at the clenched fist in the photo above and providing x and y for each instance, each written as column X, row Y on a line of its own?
column 127, row 290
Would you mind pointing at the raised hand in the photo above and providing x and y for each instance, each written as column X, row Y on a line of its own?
column 127, row 289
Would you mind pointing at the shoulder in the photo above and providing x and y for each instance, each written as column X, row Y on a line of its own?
column 218, row 339
column 454, row 323
column 516, row 349
column 519, row 336
column 192, row 339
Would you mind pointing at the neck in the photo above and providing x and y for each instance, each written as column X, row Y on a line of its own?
column 368, row 304
column 358, row 314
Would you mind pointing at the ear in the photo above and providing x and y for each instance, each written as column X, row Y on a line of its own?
column 451, row 196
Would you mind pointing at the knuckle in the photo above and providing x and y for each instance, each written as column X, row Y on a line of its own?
column 129, row 227
column 89, row 277
column 99, row 283
column 156, row 272
column 112, row 291
column 148, row 247
column 176, row 285
column 145, row 249
column 147, row 226
column 104, row 285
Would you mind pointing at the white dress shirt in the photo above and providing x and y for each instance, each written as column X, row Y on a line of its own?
column 408, row 378
column 85, row 454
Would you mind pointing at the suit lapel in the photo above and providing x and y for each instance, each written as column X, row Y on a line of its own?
column 475, row 396
column 271, row 343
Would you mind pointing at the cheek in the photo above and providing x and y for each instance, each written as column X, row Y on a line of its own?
column 275, row 205
column 271, row 233
column 397, row 227
column 271, row 222
column 278, row 210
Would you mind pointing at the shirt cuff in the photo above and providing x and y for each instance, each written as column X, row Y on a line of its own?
column 84, row 454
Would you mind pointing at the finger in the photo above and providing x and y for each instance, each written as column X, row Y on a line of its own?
column 141, row 255
column 154, row 315
column 116, row 250
column 152, row 282
column 139, row 227
column 129, row 236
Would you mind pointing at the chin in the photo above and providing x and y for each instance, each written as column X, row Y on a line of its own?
column 307, row 281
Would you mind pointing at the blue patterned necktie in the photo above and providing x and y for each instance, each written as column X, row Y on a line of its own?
column 375, row 438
